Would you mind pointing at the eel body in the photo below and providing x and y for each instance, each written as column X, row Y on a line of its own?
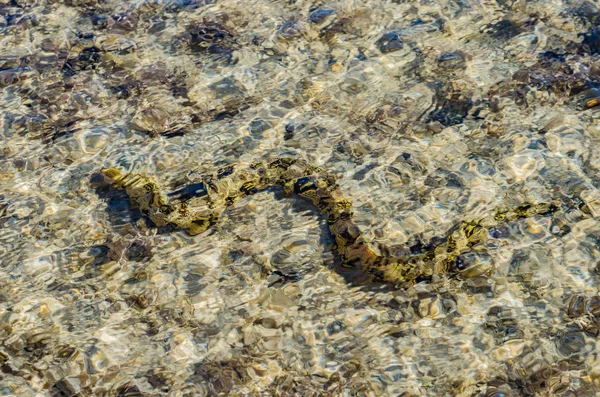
column 198, row 206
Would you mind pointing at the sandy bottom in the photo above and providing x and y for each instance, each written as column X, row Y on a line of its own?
column 427, row 112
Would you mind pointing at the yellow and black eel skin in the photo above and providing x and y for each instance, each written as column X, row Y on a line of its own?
column 198, row 206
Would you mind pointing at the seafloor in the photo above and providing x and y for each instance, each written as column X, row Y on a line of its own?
column 428, row 113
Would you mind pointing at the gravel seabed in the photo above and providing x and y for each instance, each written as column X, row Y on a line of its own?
column 428, row 112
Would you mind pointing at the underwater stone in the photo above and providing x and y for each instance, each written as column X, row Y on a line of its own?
column 320, row 16
column 389, row 42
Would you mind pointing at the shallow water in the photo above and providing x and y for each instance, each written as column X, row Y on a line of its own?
column 428, row 113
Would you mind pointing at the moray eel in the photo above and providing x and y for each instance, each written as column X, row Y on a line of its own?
column 197, row 207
